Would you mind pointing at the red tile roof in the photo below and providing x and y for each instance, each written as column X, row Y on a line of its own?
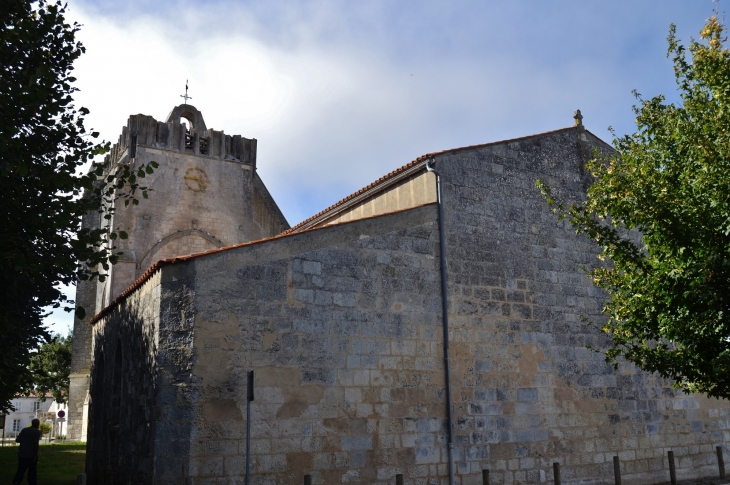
column 301, row 227
column 405, row 167
column 178, row 259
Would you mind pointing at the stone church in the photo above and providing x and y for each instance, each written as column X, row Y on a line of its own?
column 207, row 195
column 341, row 319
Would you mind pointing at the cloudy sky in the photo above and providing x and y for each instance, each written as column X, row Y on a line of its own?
column 339, row 93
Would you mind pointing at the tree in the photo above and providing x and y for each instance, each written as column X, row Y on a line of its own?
column 50, row 368
column 668, row 279
column 43, row 195
column 45, row 428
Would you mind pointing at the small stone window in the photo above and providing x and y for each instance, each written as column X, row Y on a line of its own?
column 204, row 146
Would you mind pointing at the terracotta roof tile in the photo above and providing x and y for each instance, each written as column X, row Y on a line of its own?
column 405, row 167
column 300, row 228
column 178, row 259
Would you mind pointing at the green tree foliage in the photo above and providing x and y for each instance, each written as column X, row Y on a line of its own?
column 43, row 195
column 45, row 428
column 50, row 368
column 669, row 184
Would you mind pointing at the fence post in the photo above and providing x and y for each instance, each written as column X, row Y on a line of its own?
column 307, row 479
column 556, row 473
column 399, row 479
column 617, row 470
column 672, row 470
column 485, row 477
column 720, row 461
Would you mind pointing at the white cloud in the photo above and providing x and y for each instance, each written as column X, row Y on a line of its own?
column 338, row 94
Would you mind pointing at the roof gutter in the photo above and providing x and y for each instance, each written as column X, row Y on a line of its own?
column 445, row 318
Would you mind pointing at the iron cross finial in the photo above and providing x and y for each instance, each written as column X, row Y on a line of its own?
column 578, row 118
column 185, row 96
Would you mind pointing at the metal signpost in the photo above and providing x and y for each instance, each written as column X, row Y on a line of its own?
column 61, row 419
column 249, row 398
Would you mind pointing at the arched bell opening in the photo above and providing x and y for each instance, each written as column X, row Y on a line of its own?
column 187, row 119
column 188, row 114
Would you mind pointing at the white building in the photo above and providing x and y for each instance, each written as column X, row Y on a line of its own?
column 29, row 408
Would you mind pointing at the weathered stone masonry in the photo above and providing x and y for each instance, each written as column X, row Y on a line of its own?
column 206, row 194
column 124, row 392
column 342, row 325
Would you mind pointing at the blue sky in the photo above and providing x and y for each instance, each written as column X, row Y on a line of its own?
column 339, row 93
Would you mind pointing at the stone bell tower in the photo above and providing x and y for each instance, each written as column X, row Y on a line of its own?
column 206, row 194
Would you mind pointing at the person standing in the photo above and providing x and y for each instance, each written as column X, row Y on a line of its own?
column 29, row 439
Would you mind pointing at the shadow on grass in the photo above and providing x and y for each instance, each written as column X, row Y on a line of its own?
column 58, row 464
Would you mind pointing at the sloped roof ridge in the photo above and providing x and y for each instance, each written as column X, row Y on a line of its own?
column 411, row 164
column 178, row 259
column 299, row 228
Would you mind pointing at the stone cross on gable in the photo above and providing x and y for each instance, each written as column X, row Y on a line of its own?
column 578, row 118
column 185, row 96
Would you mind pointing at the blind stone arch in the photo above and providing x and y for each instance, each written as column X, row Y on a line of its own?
column 148, row 256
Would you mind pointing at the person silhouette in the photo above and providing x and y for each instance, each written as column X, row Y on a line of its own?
column 29, row 439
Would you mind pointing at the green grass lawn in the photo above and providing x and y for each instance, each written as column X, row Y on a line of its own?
column 57, row 464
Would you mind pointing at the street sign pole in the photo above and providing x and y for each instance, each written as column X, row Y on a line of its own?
column 60, row 422
column 61, row 418
column 249, row 398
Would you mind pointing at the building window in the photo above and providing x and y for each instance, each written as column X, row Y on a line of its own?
column 36, row 406
column 16, row 426
column 17, row 406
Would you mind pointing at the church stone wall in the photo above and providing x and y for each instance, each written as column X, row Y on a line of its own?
column 125, row 375
column 528, row 389
column 330, row 320
column 222, row 200
column 342, row 326
column 205, row 194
